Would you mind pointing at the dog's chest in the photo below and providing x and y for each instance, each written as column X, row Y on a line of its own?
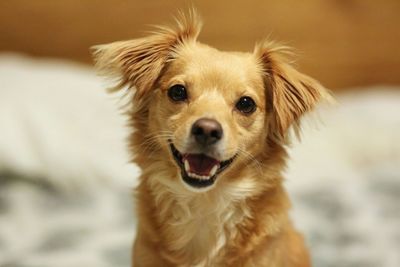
column 201, row 228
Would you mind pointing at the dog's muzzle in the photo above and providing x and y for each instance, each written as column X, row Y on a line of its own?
column 201, row 170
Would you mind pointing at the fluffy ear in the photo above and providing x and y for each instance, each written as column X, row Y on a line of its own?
column 290, row 93
column 138, row 63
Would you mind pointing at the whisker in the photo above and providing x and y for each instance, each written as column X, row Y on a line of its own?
column 252, row 159
column 150, row 143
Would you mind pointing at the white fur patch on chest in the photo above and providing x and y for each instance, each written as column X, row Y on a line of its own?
column 197, row 226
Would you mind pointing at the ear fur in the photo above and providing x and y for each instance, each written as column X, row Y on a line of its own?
column 138, row 63
column 291, row 93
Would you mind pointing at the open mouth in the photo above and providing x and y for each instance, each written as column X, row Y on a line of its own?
column 199, row 170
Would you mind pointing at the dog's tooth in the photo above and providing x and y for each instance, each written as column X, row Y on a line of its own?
column 205, row 177
column 213, row 170
column 187, row 166
column 196, row 176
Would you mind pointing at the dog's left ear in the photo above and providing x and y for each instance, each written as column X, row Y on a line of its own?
column 139, row 62
column 289, row 93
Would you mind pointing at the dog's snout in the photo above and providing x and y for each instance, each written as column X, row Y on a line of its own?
column 207, row 131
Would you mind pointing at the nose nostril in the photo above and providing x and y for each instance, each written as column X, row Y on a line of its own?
column 196, row 130
column 216, row 134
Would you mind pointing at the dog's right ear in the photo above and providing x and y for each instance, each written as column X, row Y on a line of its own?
column 290, row 93
column 138, row 63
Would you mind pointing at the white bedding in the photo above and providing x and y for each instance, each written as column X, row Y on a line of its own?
column 65, row 180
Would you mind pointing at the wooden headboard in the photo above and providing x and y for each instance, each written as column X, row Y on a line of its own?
column 340, row 42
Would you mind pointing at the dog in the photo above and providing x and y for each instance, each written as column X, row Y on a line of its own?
column 210, row 134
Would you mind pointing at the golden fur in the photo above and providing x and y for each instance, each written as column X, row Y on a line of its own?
column 243, row 219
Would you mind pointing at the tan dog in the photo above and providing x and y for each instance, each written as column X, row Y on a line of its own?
column 210, row 135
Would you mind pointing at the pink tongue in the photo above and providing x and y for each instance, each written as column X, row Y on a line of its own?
column 200, row 164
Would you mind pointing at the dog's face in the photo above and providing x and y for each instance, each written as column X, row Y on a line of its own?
column 211, row 107
column 208, row 110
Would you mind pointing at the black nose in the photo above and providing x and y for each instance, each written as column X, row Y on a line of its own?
column 207, row 131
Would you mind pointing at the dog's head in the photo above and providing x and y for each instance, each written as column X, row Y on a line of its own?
column 208, row 110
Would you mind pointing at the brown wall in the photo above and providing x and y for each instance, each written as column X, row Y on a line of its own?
column 341, row 42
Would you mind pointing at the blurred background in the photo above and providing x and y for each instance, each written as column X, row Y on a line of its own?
column 65, row 180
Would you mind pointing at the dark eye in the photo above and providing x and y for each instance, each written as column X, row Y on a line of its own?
column 246, row 105
column 177, row 93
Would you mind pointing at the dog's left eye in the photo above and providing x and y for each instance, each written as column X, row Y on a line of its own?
column 177, row 93
column 246, row 105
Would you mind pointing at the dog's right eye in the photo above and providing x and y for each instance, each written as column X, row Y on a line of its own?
column 177, row 93
column 246, row 105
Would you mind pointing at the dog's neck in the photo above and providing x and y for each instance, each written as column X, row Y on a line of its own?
column 197, row 228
